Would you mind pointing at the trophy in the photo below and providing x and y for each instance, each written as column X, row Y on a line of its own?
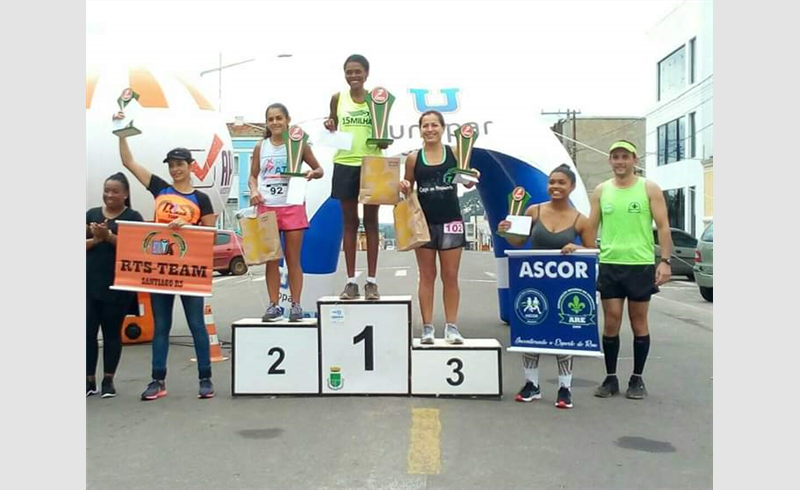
column 296, row 140
column 520, row 223
column 125, row 130
column 465, row 140
column 380, row 103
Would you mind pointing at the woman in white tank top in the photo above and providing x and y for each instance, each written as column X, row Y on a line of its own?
column 268, row 192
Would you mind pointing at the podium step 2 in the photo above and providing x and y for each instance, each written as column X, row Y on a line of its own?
column 468, row 344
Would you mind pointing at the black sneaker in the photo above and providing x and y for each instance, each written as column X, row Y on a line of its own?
column 564, row 399
column 91, row 388
column 107, row 388
column 206, row 388
column 529, row 392
column 155, row 389
column 609, row 388
column 636, row 389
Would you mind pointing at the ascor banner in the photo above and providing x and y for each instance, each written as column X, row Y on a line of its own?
column 553, row 306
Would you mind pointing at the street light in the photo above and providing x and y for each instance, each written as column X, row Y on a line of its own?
column 222, row 67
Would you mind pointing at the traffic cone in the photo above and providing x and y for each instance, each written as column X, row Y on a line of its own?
column 216, row 351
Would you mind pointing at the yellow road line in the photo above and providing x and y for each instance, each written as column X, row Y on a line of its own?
column 425, row 448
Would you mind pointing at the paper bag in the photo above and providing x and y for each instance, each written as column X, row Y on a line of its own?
column 260, row 237
column 410, row 224
column 380, row 180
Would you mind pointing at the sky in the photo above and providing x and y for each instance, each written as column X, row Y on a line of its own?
column 591, row 56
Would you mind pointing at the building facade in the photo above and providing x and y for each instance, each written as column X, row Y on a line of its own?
column 680, row 124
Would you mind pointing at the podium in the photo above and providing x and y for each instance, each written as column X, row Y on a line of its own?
column 358, row 347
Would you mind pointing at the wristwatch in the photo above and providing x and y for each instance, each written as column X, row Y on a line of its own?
column 666, row 261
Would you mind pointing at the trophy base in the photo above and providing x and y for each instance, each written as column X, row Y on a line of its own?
column 379, row 141
column 293, row 174
column 126, row 132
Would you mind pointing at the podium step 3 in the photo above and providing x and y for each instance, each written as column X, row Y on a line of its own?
column 283, row 322
column 361, row 300
column 468, row 344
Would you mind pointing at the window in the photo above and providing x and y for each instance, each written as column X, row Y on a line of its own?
column 682, row 239
column 692, row 60
column 222, row 239
column 676, row 208
column 672, row 73
column 708, row 235
column 672, row 141
column 236, row 164
column 692, row 134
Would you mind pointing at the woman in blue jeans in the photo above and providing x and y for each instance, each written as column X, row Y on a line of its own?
column 177, row 205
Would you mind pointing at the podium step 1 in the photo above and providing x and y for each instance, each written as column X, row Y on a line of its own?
column 469, row 369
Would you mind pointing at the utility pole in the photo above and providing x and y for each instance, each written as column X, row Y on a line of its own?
column 574, row 113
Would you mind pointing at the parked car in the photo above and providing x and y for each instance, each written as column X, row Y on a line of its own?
column 229, row 253
column 704, row 263
column 683, row 247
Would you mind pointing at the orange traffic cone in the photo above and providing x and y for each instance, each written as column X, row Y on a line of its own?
column 216, row 351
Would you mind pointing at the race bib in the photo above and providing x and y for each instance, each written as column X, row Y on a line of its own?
column 454, row 227
column 275, row 193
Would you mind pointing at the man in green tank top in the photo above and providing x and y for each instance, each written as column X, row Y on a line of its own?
column 625, row 208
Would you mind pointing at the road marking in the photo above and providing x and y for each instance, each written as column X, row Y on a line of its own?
column 424, row 449
column 400, row 273
column 220, row 279
column 710, row 312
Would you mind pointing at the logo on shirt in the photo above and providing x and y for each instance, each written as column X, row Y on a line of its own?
column 635, row 207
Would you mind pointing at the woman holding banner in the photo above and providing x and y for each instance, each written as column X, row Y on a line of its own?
column 349, row 113
column 268, row 192
column 177, row 204
column 106, row 307
column 557, row 214
column 432, row 168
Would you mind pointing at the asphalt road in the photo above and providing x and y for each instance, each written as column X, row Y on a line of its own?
column 664, row 441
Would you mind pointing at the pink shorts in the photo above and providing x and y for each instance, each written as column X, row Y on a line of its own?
column 290, row 218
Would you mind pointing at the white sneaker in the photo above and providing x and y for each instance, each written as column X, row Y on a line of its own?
column 452, row 335
column 427, row 334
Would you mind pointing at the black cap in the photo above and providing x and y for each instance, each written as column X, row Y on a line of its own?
column 179, row 154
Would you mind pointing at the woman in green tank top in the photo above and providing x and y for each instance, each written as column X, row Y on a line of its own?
column 349, row 113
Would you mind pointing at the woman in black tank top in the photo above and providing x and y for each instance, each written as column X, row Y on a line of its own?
column 556, row 224
column 433, row 169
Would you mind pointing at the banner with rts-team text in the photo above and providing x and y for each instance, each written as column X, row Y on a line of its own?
column 154, row 258
column 553, row 302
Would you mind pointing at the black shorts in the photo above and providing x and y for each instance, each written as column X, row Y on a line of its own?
column 440, row 240
column 635, row 282
column 346, row 182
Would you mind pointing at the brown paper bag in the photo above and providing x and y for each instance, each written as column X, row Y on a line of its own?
column 380, row 180
column 410, row 224
column 261, row 238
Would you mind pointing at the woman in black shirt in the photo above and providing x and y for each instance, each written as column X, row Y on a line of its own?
column 106, row 307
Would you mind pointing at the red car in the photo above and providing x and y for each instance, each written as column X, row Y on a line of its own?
column 229, row 253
